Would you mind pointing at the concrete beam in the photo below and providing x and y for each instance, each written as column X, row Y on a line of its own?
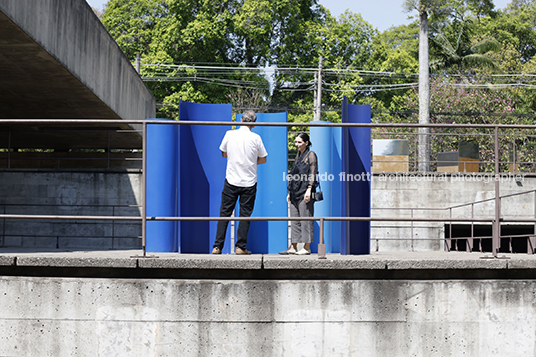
column 58, row 61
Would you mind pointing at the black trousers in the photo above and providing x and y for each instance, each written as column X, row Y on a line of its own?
column 229, row 196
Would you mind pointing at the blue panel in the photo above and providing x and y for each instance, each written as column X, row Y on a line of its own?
column 336, row 190
column 357, row 190
column 344, row 188
column 162, row 158
column 270, row 237
column 321, row 138
column 202, row 174
column 327, row 145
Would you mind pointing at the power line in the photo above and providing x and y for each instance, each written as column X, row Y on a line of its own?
column 213, row 75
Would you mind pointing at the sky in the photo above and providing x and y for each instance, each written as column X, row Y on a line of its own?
column 381, row 14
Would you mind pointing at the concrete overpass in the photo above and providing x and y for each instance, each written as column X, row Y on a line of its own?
column 58, row 61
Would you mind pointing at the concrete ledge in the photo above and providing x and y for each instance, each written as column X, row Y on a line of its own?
column 62, row 262
column 203, row 262
column 394, row 266
column 522, row 264
column 7, row 260
column 333, row 262
column 447, row 264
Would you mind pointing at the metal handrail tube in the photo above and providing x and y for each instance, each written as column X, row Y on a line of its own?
column 226, row 123
column 452, row 207
column 71, row 218
column 518, row 194
column 352, row 219
column 149, row 218
column 66, row 205
column 495, row 221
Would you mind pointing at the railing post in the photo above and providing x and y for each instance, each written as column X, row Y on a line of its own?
column 470, row 242
column 412, row 247
column 532, row 239
column 496, row 225
column 9, row 150
column 113, row 227
column 448, row 242
column 4, row 229
column 144, row 190
column 321, row 245
column 108, row 149
column 514, row 154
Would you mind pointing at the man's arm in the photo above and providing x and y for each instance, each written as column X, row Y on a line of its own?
column 224, row 154
column 261, row 160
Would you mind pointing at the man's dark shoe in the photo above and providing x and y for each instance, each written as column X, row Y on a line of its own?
column 240, row 251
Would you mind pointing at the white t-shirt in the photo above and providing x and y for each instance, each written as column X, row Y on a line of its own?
column 243, row 148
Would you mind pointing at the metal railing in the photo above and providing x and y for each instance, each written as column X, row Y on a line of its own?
column 451, row 218
column 496, row 220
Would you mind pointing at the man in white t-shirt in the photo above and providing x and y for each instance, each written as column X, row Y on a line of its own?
column 244, row 150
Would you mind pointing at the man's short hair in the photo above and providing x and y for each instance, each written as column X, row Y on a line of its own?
column 249, row 116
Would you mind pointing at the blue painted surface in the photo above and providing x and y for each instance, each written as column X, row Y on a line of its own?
column 202, row 174
column 327, row 145
column 321, row 138
column 270, row 237
column 162, row 192
column 336, row 189
column 355, row 237
column 186, row 172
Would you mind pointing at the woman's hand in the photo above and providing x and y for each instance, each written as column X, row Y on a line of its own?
column 307, row 196
column 288, row 198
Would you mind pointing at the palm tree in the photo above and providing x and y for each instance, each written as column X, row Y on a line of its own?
column 423, row 7
column 453, row 49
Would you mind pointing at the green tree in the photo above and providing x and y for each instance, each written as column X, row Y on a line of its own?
column 345, row 44
column 441, row 10
column 395, row 57
column 453, row 49
column 133, row 24
column 249, row 33
column 451, row 103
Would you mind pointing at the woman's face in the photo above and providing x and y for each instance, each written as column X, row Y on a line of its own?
column 300, row 144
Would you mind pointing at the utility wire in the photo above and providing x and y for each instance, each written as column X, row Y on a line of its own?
column 213, row 75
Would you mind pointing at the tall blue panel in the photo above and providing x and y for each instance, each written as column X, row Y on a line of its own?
column 321, row 138
column 270, row 237
column 202, row 174
column 344, row 188
column 356, row 186
column 336, row 189
column 162, row 159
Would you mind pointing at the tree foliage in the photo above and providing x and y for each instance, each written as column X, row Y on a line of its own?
column 176, row 38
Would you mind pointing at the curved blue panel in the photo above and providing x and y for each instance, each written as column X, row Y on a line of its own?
column 162, row 159
column 202, row 174
column 356, row 186
column 336, row 189
column 321, row 138
column 270, row 237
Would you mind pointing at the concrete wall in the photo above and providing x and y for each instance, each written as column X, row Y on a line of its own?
column 390, row 192
column 65, row 189
column 70, row 32
column 128, row 317
column 70, row 193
